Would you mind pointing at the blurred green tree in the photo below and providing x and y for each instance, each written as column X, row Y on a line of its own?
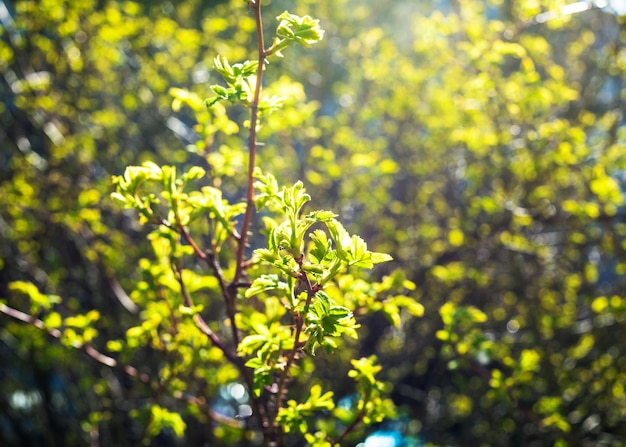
column 483, row 146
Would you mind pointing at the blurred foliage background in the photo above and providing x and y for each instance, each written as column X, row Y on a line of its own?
column 481, row 143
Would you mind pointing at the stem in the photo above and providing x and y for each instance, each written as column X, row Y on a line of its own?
column 349, row 429
column 296, row 342
column 229, row 293
column 106, row 360
column 252, row 141
column 86, row 348
column 269, row 431
column 259, row 411
column 201, row 323
column 209, row 258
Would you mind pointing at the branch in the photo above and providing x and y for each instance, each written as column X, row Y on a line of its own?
column 112, row 363
column 229, row 294
column 252, row 141
column 86, row 348
column 208, row 258
column 350, row 428
column 201, row 323
column 311, row 290
column 231, row 356
column 121, row 295
column 201, row 403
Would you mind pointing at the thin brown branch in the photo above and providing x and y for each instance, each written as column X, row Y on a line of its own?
column 112, row 363
column 199, row 253
column 270, row 433
column 252, row 141
column 201, row 403
column 230, row 355
column 299, row 321
column 349, row 429
column 229, row 293
column 121, row 295
column 86, row 348
column 209, row 258
column 202, row 324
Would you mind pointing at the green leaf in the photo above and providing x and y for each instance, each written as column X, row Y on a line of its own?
column 264, row 283
column 322, row 246
column 331, row 321
column 295, row 198
column 241, row 79
column 377, row 258
column 270, row 104
column 267, row 187
column 293, row 415
column 325, row 320
column 38, row 300
column 163, row 418
column 353, row 249
column 183, row 96
column 341, row 237
column 410, row 304
column 365, row 370
column 53, row 320
column 320, row 216
column 293, row 29
column 222, row 93
column 251, row 344
column 223, row 67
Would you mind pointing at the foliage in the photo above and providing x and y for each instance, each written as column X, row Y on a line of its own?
column 290, row 314
column 480, row 143
column 491, row 116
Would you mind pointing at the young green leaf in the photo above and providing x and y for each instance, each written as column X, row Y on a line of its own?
column 293, row 29
column 264, row 283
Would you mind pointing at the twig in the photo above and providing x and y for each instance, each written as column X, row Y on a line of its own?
column 86, row 348
column 208, row 258
column 230, row 355
column 229, row 293
column 299, row 320
column 201, row 403
column 201, row 323
column 350, row 428
column 112, row 363
column 252, row 142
